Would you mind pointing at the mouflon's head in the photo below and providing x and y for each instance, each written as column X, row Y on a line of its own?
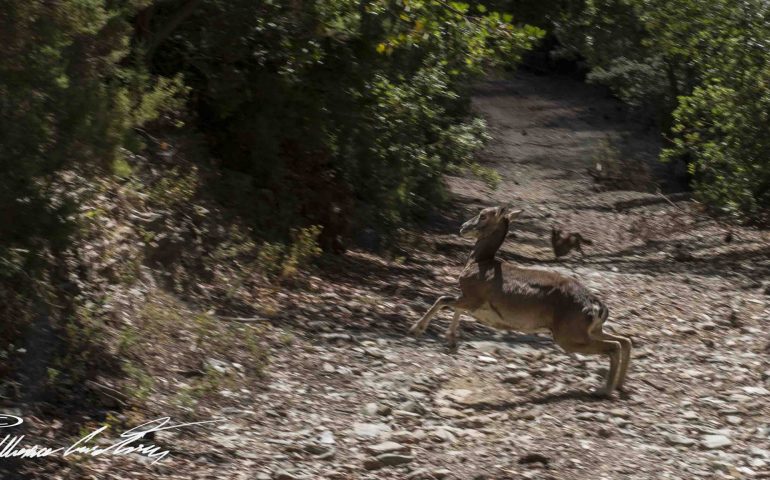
column 487, row 221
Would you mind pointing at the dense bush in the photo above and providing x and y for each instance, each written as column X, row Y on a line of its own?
column 68, row 99
column 725, row 131
column 315, row 110
column 328, row 108
column 702, row 67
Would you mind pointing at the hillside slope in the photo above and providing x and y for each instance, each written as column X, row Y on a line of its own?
column 343, row 377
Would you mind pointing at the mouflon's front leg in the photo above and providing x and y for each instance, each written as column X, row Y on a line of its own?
column 419, row 327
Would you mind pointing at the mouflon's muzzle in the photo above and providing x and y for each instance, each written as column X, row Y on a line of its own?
column 467, row 227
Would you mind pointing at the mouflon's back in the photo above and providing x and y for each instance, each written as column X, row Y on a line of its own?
column 524, row 299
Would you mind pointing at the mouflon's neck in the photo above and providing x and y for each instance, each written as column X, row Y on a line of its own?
column 486, row 247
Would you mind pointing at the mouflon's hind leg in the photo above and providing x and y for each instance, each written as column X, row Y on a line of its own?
column 613, row 350
column 599, row 346
column 625, row 355
column 419, row 327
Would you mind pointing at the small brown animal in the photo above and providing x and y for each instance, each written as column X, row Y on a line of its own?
column 563, row 243
column 505, row 296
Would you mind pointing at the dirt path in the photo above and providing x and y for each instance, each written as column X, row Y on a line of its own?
column 344, row 379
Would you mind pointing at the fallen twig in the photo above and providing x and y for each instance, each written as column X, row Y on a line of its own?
column 243, row 319
column 109, row 392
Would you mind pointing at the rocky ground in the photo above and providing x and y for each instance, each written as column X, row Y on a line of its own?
column 347, row 395
column 355, row 398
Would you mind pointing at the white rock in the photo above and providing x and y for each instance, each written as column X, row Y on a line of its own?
column 449, row 412
column 756, row 390
column 218, row 365
column 690, row 415
column 371, row 408
column 370, row 430
column 715, row 441
column 326, row 437
column 676, row 439
column 386, row 447
column 486, row 359
column 442, row 435
column 392, row 459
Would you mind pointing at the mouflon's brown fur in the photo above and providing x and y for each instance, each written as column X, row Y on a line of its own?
column 505, row 296
column 563, row 243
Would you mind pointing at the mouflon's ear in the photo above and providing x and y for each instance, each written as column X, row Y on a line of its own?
column 513, row 214
column 505, row 209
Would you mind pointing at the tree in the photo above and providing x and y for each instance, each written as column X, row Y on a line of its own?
column 317, row 106
column 703, row 67
column 70, row 97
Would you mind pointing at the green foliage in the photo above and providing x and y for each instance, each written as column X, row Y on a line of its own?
column 610, row 35
column 69, row 98
column 121, row 168
column 334, row 103
column 176, row 186
column 304, row 248
column 278, row 260
column 703, row 67
column 141, row 383
column 726, row 132
column 270, row 258
column 77, row 351
column 490, row 176
column 158, row 96
column 635, row 82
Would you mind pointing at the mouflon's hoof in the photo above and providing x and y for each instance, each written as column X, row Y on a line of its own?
column 416, row 331
column 624, row 391
column 602, row 392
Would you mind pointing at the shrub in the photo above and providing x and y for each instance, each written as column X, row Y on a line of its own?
column 69, row 98
column 704, row 67
column 724, row 131
column 278, row 260
column 356, row 107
